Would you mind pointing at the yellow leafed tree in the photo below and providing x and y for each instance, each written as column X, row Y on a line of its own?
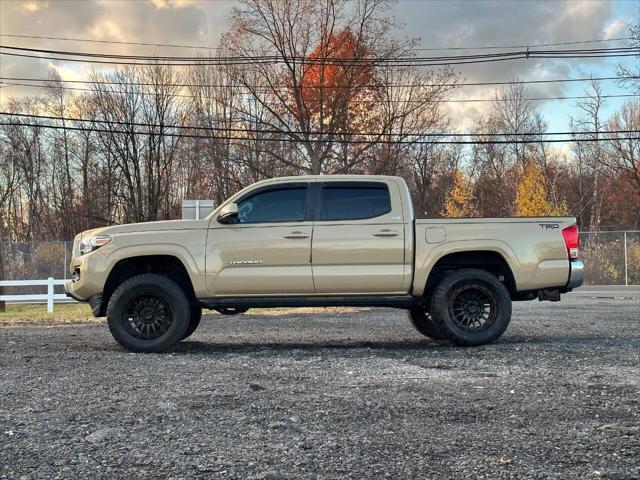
column 531, row 200
column 460, row 201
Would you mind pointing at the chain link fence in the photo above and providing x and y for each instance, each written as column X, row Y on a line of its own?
column 610, row 258
column 34, row 261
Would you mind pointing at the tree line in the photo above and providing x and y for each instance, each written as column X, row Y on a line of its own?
column 140, row 138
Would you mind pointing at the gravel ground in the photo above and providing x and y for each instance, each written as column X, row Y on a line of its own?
column 354, row 395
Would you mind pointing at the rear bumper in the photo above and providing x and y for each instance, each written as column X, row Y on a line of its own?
column 576, row 275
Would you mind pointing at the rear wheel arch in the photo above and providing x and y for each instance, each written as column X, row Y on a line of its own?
column 487, row 260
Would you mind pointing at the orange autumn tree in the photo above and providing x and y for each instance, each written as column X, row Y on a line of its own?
column 460, row 201
column 337, row 74
column 531, row 200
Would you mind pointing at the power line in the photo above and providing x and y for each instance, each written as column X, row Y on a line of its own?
column 202, row 47
column 396, row 64
column 372, row 85
column 333, row 140
column 89, row 57
column 112, row 42
column 556, row 44
column 386, row 100
column 299, row 132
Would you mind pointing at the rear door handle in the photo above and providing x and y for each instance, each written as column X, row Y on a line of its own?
column 386, row 233
column 296, row 234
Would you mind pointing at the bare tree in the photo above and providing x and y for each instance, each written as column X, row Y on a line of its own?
column 26, row 150
column 587, row 147
column 139, row 109
column 623, row 150
column 323, row 89
column 497, row 168
column 629, row 76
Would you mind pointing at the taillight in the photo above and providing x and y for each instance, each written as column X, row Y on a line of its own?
column 571, row 240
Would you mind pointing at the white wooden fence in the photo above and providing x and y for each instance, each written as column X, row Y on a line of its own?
column 48, row 297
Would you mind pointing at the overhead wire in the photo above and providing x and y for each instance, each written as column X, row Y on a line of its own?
column 333, row 140
column 371, row 85
column 203, row 47
column 385, row 100
column 102, row 121
column 118, row 59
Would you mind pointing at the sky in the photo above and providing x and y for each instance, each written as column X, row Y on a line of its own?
column 437, row 24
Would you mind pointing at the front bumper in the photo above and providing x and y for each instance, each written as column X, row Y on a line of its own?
column 576, row 275
column 95, row 301
column 68, row 292
column 89, row 276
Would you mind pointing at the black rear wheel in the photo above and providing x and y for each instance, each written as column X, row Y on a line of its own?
column 471, row 307
column 148, row 313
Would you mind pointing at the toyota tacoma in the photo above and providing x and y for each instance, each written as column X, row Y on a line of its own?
column 322, row 241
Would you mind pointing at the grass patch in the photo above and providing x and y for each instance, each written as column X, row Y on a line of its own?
column 36, row 314
column 70, row 313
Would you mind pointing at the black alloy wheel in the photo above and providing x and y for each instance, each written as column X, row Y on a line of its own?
column 148, row 313
column 473, row 307
column 148, row 316
column 470, row 307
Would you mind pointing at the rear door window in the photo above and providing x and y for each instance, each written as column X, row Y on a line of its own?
column 354, row 201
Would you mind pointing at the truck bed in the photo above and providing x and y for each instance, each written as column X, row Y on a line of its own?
column 533, row 247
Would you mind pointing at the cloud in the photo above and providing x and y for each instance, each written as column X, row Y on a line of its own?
column 171, row 3
column 617, row 28
column 172, row 22
column 509, row 24
column 438, row 23
column 31, row 6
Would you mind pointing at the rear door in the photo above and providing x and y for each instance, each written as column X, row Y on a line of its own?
column 359, row 238
column 268, row 252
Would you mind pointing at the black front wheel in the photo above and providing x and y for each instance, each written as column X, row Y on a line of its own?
column 194, row 322
column 148, row 313
column 471, row 307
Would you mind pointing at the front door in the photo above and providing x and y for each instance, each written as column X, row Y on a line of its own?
column 268, row 250
column 359, row 239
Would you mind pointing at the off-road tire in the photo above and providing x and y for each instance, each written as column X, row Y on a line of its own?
column 421, row 321
column 452, row 301
column 196, row 316
column 152, row 297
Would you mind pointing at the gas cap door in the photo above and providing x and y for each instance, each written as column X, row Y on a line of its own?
column 435, row 235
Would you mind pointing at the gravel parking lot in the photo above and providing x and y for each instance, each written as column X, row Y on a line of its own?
column 354, row 395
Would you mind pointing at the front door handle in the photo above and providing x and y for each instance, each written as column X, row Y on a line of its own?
column 296, row 234
column 386, row 233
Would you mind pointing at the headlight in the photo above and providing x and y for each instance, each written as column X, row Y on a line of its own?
column 90, row 244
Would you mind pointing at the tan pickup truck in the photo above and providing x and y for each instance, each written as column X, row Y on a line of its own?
column 322, row 241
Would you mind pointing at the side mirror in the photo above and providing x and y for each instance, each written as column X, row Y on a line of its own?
column 228, row 213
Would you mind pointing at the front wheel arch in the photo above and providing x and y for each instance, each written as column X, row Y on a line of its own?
column 166, row 265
